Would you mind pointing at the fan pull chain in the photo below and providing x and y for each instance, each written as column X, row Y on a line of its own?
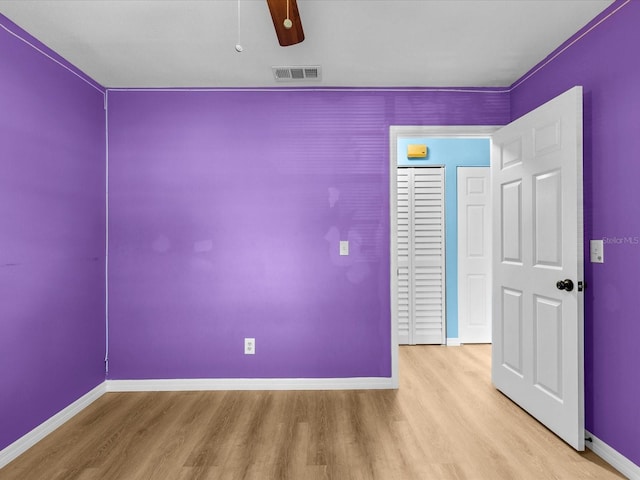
column 287, row 21
column 239, row 45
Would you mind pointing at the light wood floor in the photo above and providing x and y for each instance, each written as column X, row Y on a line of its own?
column 445, row 422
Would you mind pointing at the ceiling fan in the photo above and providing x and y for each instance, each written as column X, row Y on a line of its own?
column 286, row 20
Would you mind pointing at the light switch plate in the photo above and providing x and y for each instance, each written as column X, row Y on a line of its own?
column 596, row 248
column 344, row 247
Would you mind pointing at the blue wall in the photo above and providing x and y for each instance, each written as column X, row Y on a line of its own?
column 452, row 153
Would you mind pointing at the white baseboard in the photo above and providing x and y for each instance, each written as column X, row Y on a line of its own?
column 613, row 457
column 453, row 342
column 27, row 441
column 356, row 383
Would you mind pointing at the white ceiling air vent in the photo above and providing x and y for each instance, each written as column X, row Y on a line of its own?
column 298, row 73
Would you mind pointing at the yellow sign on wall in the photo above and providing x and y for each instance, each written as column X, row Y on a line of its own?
column 416, row 151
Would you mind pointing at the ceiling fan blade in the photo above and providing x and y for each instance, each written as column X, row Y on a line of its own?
column 286, row 36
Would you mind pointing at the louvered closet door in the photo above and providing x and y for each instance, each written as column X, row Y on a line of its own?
column 420, row 213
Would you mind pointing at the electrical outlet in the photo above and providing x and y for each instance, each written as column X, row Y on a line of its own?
column 344, row 247
column 597, row 251
column 249, row 346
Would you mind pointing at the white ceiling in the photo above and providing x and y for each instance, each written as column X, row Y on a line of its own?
column 191, row 43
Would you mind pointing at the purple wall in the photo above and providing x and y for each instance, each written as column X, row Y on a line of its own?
column 225, row 213
column 606, row 63
column 51, row 236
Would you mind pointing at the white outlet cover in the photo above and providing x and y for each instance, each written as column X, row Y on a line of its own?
column 344, row 247
column 249, row 346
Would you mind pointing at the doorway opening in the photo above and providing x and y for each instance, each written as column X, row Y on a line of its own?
column 399, row 137
column 538, row 322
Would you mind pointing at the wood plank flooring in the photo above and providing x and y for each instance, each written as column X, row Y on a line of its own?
column 445, row 422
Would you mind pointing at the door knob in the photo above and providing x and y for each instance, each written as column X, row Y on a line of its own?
column 565, row 285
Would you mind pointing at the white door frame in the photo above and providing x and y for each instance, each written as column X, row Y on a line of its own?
column 396, row 132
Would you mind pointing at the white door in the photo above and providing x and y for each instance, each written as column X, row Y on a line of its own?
column 474, row 254
column 538, row 318
column 420, row 244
